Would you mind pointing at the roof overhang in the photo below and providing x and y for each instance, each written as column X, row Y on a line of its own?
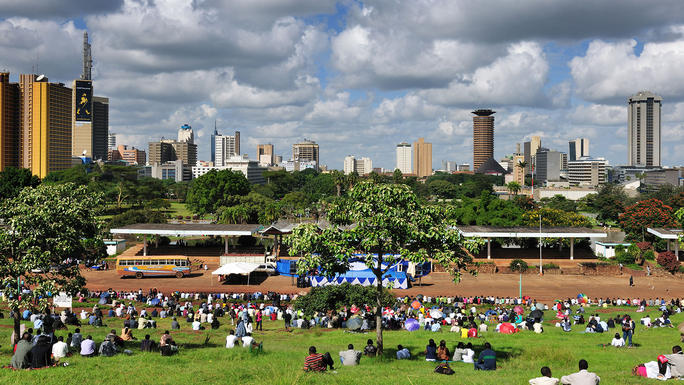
column 665, row 233
column 529, row 232
column 175, row 229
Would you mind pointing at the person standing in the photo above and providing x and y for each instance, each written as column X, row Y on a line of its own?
column 259, row 316
column 287, row 317
column 631, row 281
column 628, row 326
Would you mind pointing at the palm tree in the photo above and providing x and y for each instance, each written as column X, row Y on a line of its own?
column 521, row 166
column 339, row 179
column 397, row 176
column 352, row 178
column 513, row 187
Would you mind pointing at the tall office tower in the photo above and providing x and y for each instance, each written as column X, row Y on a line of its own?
column 100, row 127
column 111, row 141
column 404, row 159
column 161, row 152
column 363, row 165
column 213, row 144
column 578, row 148
column 518, row 173
column 549, row 164
column 10, row 123
column 349, row 164
column 226, row 146
column 306, row 150
column 643, row 129
column 265, row 153
column 186, row 134
column 483, row 137
column 530, row 151
column 47, row 125
column 449, row 166
column 87, row 59
column 422, row 158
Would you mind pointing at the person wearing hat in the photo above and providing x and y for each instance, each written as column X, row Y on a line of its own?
column 676, row 361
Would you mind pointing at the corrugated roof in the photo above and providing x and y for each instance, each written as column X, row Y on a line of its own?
column 187, row 229
column 530, row 232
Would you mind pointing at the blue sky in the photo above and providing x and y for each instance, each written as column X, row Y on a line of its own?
column 360, row 77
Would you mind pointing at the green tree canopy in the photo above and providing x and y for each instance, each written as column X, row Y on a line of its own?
column 389, row 224
column 45, row 226
column 335, row 297
column 13, row 180
column 216, row 189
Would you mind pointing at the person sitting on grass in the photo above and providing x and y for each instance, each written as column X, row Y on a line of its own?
column 60, row 349
column 316, row 362
column 76, row 339
column 231, row 339
column 617, row 341
column 431, row 351
column 443, row 353
column 487, row 358
column 350, row 357
column 403, row 353
column 108, row 348
column 676, row 362
column 459, row 352
column 370, row 350
column 248, row 341
column 582, row 377
column 469, row 355
column 22, row 354
column 147, row 345
column 545, row 379
column 175, row 324
column 40, row 354
column 88, row 347
column 166, row 339
column 126, row 335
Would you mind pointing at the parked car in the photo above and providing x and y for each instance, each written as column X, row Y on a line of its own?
column 267, row 268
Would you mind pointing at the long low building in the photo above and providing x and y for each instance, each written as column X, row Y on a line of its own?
column 251, row 169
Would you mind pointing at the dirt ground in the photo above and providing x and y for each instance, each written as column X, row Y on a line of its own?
column 542, row 288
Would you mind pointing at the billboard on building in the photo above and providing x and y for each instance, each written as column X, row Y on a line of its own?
column 84, row 101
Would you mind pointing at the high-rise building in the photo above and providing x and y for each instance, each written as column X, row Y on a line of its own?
column 518, row 173
column 226, row 146
column 47, row 125
column 306, row 150
column 361, row 166
column 483, row 137
column 186, row 134
column 404, row 158
column 549, row 164
column 448, row 166
column 643, row 129
column 131, row 155
column 10, row 123
column 422, row 158
column 587, row 171
column 91, row 122
column 348, row 165
column 213, row 144
column 578, row 148
column 169, row 150
column 530, row 151
column 265, row 154
column 111, row 141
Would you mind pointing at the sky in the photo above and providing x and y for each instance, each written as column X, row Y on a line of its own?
column 359, row 77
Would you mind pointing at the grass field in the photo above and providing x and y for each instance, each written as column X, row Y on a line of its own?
column 520, row 356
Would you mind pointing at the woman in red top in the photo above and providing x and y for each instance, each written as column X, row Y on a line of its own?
column 258, row 321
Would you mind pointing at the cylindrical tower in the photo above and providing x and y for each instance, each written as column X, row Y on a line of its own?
column 483, row 137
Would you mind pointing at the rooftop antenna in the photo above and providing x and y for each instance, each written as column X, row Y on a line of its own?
column 87, row 59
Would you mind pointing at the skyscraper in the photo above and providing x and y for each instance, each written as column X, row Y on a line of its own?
column 404, row 158
column 265, row 153
column 213, row 144
column 306, row 150
column 226, row 147
column 10, row 123
column 578, row 148
column 422, row 158
column 643, row 129
column 483, row 137
column 111, row 141
column 530, row 151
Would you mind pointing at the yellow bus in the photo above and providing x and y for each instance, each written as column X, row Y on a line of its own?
column 172, row 265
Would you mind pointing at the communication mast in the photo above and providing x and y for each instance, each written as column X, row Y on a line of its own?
column 87, row 59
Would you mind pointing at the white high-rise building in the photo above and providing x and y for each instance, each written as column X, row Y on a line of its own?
column 185, row 134
column 404, row 158
column 111, row 142
column 226, row 146
column 643, row 130
column 362, row 166
column 349, row 164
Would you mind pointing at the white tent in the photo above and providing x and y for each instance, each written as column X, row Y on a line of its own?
column 242, row 268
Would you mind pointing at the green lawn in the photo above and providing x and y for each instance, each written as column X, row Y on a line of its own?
column 520, row 356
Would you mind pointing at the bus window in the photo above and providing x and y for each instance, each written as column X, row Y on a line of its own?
column 160, row 262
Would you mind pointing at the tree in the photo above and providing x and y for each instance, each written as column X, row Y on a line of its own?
column 513, row 187
column 374, row 177
column 42, row 227
column 389, row 224
column 13, row 180
column 554, row 218
column 158, row 204
column 136, row 216
column 335, row 297
column 339, row 179
column 668, row 260
column 522, row 165
column 397, row 176
column 648, row 213
column 214, row 189
column 443, row 189
column 352, row 178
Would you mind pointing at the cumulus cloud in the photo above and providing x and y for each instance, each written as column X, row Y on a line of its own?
column 50, row 9
column 598, row 114
column 612, row 71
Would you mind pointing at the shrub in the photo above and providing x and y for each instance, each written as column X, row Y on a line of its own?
column 550, row 265
column 668, row 260
column 649, row 255
column 643, row 246
column 518, row 265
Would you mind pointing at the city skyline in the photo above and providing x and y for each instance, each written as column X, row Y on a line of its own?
column 357, row 78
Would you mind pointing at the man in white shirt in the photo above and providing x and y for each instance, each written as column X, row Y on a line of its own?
column 247, row 341
column 545, row 379
column 60, row 349
column 196, row 325
column 230, row 340
column 582, row 377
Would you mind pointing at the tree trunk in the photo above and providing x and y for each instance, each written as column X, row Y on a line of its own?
column 378, row 311
column 17, row 318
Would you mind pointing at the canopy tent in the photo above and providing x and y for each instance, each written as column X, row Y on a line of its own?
column 398, row 280
column 242, row 268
